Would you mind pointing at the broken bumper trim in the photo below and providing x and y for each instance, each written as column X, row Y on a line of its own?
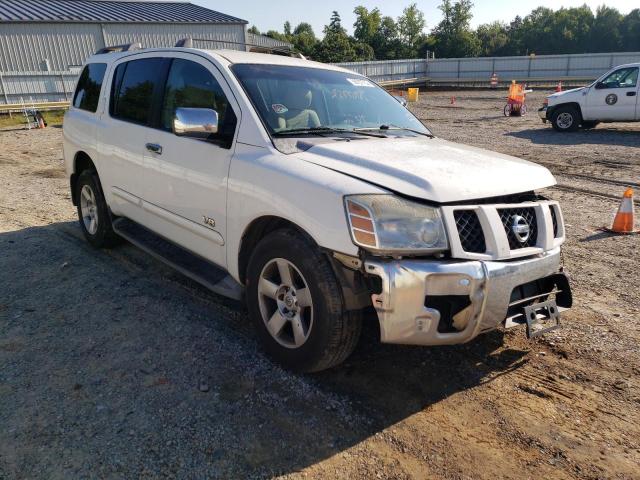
column 407, row 283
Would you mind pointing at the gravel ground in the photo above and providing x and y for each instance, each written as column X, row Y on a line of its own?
column 114, row 366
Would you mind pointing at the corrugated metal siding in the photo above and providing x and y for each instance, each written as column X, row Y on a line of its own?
column 387, row 70
column 154, row 35
column 104, row 11
column 590, row 65
column 37, row 86
column 24, row 47
column 585, row 66
column 265, row 41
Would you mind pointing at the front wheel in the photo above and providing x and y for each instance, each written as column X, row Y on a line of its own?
column 565, row 119
column 296, row 303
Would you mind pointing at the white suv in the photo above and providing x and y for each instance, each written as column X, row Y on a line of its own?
column 312, row 193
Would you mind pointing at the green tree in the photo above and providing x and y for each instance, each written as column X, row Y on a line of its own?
column 335, row 24
column 254, row 30
column 453, row 36
column 605, row 32
column 630, row 29
column 287, row 28
column 410, row 27
column 304, row 39
column 362, row 52
column 493, row 39
column 386, row 42
column 277, row 35
column 304, row 28
column 336, row 45
column 566, row 30
column 367, row 24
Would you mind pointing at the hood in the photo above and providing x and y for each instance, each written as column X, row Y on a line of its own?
column 431, row 169
column 563, row 96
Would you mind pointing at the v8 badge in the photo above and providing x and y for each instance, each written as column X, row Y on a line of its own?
column 611, row 99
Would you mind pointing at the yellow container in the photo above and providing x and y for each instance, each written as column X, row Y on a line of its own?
column 412, row 94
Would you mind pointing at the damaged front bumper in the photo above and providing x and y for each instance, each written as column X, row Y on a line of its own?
column 444, row 302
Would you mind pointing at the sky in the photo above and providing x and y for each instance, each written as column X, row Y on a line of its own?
column 271, row 14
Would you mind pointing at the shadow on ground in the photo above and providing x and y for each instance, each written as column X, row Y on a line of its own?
column 114, row 365
column 601, row 135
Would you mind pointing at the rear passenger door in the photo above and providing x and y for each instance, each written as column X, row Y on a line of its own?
column 135, row 83
column 186, row 178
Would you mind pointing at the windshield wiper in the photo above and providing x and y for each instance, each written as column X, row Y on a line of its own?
column 328, row 130
column 395, row 127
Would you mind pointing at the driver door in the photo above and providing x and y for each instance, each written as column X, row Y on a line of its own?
column 187, row 177
column 615, row 97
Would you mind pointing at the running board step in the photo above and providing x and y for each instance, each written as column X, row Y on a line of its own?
column 196, row 268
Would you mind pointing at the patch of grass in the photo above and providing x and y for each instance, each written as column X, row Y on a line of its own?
column 53, row 117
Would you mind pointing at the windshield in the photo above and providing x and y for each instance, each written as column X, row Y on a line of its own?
column 294, row 99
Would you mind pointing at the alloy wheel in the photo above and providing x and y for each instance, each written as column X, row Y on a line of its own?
column 285, row 303
column 89, row 209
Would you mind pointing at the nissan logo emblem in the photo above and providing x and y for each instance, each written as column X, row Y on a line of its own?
column 520, row 228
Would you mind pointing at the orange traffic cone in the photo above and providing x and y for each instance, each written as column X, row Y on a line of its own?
column 559, row 86
column 453, row 100
column 624, row 221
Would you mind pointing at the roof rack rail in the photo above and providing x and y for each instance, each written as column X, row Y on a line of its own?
column 127, row 47
column 188, row 43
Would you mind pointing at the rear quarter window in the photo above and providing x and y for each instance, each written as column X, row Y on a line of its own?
column 87, row 94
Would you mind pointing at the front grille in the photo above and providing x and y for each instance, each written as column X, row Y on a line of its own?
column 470, row 231
column 554, row 219
column 529, row 215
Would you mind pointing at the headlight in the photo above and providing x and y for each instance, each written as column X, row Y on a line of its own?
column 390, row 224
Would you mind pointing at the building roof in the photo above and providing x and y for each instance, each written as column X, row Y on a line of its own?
column 109, row 11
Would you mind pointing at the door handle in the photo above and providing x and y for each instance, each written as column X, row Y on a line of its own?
column 155, row 148
column 631, row 94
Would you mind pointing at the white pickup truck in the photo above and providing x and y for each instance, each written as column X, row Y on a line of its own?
column 313, row 194
column 611, row 98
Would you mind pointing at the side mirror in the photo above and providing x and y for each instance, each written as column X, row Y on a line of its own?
column 195, row 122
column 600, row 86
column 401, row 100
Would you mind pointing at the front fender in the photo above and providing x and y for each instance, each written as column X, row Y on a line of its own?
column 264, row 182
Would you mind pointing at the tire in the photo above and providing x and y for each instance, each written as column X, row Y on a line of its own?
column 92, row 207
column 588, row 125
column 507, row 110
column 316, row 333
column 566, row 119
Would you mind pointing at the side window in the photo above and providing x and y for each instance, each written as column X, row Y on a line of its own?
column 133, row 87
column 623, row 78
column 89, row 85
column 190, row 85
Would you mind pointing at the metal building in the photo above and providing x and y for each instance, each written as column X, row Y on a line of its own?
column 46, row 35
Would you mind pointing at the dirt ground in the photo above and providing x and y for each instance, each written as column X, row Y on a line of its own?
column 114, row 366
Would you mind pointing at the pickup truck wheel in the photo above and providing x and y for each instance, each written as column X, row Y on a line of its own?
column 565, row 119
column 93, row 212
column 295, row 300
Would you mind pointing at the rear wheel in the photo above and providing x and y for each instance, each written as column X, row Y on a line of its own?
column 93, row 212
column 566, row 119
column 296, row 303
